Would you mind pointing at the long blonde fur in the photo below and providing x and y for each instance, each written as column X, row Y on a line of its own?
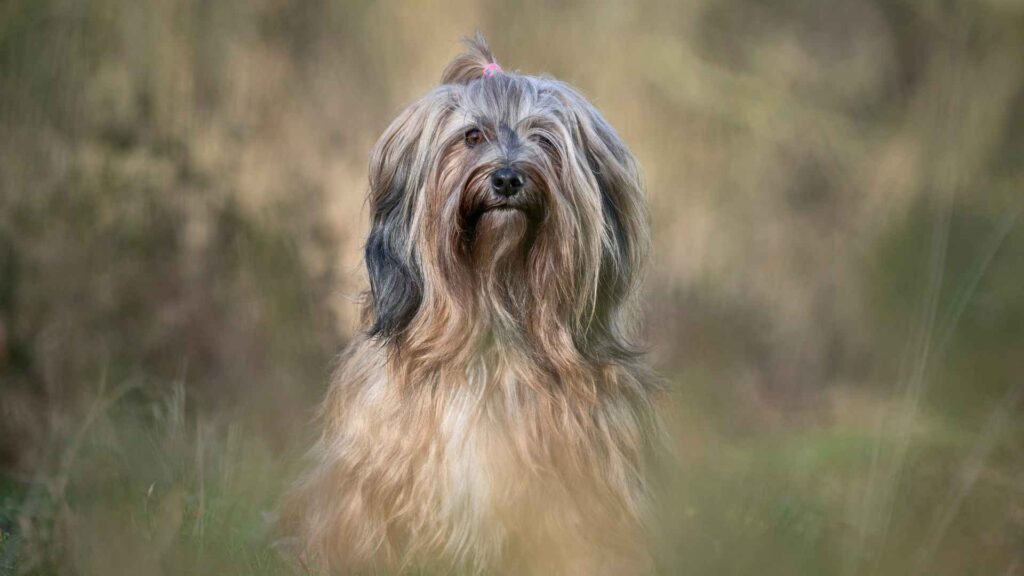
column 495, row 416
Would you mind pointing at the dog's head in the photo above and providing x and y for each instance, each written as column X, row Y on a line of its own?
column 506, row 204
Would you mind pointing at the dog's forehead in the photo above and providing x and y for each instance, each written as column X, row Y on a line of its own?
column 504, row 98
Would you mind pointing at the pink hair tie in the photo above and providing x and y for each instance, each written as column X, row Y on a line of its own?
column 491, row 69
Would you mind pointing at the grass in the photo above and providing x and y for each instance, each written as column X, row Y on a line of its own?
column 811, row 500
column 151, row 487
column 145, row 488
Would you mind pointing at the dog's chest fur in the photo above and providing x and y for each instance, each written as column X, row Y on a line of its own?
column 481, row 470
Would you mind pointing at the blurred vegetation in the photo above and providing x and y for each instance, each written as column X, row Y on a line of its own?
column 836, row 294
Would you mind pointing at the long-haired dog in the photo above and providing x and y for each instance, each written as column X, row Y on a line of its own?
column 494, row 417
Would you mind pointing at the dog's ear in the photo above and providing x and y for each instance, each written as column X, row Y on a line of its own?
column 396, row 176
column 625, row 242
column 471, row 64
column 395, row 282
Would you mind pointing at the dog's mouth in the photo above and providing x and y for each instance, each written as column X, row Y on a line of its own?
column 497, row 211
column 500, row 208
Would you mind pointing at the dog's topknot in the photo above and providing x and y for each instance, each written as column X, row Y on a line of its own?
column 471, row 64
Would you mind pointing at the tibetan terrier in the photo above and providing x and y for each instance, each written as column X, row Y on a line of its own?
column 495, row 415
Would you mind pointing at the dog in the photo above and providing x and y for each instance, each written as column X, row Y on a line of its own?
column 495, row 415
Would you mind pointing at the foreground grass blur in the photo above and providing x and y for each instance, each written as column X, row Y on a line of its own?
column 148, row 489
column 836, row 296
column 142, row 489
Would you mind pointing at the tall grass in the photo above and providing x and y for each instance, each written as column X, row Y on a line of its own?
column 149, row 490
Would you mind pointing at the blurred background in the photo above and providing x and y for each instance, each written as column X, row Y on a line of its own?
column 836, row 296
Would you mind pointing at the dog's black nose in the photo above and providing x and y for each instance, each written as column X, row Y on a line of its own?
column 507, row 181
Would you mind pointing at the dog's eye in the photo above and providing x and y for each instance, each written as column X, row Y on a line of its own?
column 544, row 142
column 473, row 137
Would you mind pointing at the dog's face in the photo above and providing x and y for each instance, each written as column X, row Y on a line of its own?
column 505, row 204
